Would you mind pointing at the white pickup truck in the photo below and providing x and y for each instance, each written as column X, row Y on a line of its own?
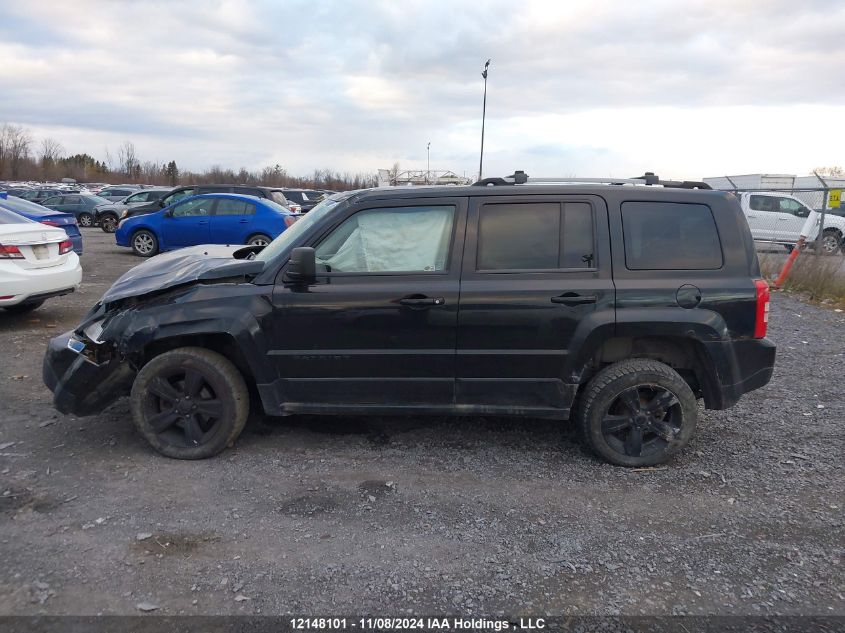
column 779, row 218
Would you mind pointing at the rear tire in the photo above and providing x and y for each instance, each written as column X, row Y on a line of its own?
column 189, row 403
column 144, row 243
column 637, row 412
column 259, row 240
column 23, row 308
column 85, row 219
column 108, row 222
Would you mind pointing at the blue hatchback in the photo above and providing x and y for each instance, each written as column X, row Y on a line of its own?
column 37, row 213
column 211, row 218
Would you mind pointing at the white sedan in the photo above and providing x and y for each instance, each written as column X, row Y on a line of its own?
column 36, row 262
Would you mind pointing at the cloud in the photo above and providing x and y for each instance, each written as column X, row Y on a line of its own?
column 574, row 88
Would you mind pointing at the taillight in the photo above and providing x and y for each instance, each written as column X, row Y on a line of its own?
column 761, row 321
column 10, row 252
column 65, row 247
column 49, row 223
column 289, row 220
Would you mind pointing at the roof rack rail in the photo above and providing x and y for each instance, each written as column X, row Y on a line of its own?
column 648, row 178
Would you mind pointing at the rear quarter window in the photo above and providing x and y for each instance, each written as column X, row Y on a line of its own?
column 670, row 236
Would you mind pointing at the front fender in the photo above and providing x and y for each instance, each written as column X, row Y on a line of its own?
column 200, row 311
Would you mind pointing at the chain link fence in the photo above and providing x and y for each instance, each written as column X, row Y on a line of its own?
column 777, row 216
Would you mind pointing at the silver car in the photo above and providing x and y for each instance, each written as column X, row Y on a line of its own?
column 111, row 215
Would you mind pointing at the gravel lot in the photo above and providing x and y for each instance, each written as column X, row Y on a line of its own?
column 430, row 516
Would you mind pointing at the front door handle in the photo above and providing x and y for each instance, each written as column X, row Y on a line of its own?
column 572, row 299
column 421, row 301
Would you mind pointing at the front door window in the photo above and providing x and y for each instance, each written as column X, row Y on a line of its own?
column 390, row 240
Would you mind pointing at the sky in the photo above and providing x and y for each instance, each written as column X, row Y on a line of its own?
column 595, row 88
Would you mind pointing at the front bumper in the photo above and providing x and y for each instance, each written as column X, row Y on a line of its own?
column 80, row 385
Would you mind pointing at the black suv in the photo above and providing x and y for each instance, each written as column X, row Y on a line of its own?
column 307, row 199
column 178, row 193
column 615, row 305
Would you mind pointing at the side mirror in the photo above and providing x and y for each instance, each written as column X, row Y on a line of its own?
column 302, row 267
column 802, row 213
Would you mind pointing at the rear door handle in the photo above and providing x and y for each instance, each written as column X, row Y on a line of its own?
column 244, row 221
column 421, row 301
column 572, row 299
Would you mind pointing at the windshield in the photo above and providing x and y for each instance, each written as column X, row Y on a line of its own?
column 291, row 234
column 279, row 197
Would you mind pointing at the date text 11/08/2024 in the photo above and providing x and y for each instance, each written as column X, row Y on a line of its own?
column 415, row 623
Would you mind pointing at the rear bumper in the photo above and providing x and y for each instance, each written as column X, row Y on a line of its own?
column 81, row 386
column 35, row 283
column 742, row 366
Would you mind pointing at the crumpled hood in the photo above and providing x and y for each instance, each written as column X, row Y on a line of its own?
column 179, row 267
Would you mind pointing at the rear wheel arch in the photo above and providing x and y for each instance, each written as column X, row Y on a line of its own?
column 688, row 356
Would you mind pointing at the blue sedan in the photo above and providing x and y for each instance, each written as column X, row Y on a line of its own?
column 37, row 213
column 211, row 218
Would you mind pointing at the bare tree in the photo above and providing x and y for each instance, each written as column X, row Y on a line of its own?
column 393, row 174
column 16, row 142
column 127, row 161
column 51, row 152
column 833, row 172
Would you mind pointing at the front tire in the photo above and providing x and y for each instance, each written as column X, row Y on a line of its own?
column 189, row 403
column 85, row 220
column 637, row 412
column 108, row 222
column 144, row 243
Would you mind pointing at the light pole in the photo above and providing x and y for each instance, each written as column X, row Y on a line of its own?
column 483, row 116
column 428, row 159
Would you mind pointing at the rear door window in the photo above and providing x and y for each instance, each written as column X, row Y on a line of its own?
column 229, row 206
column 763, row 203
column 535, row 236
column 670, row 236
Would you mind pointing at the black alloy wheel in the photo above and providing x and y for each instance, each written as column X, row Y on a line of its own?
column 637, row 412
column 189, row 403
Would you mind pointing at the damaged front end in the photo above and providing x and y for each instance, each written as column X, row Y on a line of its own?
column 89, row 368
column 85, row 376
